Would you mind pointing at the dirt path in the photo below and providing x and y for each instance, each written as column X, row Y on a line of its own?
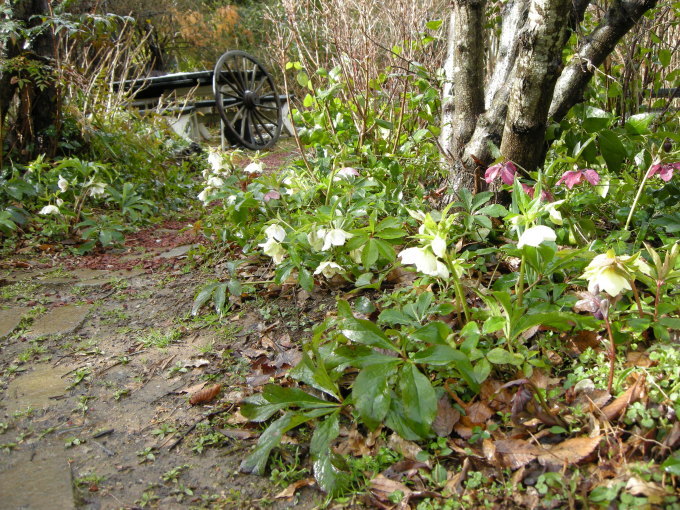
column 99, row 358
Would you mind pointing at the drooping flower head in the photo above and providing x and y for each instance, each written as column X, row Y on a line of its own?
column 346, row 173
column 506, row 171
column 612, row 273
column 574, row 177
column 425, row 261
column 49, row 209
column 663, row 170
column 535, row 236
column 329, row 269
column 254, row 168
column 62, row 184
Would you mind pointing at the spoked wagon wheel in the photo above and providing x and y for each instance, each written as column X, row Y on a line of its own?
column 247, row 100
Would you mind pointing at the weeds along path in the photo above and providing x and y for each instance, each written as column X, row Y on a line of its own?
column 101, row 362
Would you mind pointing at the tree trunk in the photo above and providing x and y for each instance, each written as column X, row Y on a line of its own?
column 32, row 83
column 538, row 65
column 528, row 84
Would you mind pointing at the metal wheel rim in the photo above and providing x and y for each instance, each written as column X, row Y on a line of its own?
column 247, row 100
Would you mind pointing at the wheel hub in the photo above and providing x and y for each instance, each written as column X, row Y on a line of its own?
column 251, row 99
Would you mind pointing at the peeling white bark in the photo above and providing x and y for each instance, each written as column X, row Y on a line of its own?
column 538, row 64
column 514, row 17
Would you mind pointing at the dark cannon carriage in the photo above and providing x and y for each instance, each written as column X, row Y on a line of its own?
column 243, row 94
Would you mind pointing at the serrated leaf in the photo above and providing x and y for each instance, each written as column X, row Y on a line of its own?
column 367, row 333
column 371, row 393
column 419, row 398
column 270, row 438
column 202, row 297
column 305, row 279
column 369, row 254
column 612, row 150
column 500, row 356
column 433, row 333
column 494, row 210
column 276, row 394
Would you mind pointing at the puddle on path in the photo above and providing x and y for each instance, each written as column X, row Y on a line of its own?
column 59, row 321
column 9, row 319
column 37, row 479
column 35, row 388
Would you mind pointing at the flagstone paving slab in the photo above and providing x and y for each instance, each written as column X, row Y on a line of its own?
column 36, row 479
column 9, row 319
column 35, row 389
column 59, row 321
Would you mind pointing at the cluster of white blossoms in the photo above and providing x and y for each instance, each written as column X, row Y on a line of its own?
column 62, row 184
column 428, row 258
column 92, row 188
column 218, row 170
column 272, row 246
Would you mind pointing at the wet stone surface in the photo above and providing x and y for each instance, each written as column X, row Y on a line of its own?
column 35, row 389
column 37, row 479
column 94, row 396
column 9, row 320
column 59, row 321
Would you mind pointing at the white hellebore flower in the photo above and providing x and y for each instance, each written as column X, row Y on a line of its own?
column 612, row 273
column 315, row 239
column 438, row 246
column 425, row 262
column 97, row 189
column 328, row 269
column 274, row 249
column 216, row 161
column 49, row 209
column 333, row 237
column 275, row 232
column 204, row 196
column 62, row 184
column 536, row 236
column 253, row 168
column 215, row 182
column 60, row 202
column 555, row 215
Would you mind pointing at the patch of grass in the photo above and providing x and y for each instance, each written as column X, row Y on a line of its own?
column 160, row 339
column 23, row 290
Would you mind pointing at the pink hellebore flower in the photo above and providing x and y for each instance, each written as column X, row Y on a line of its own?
column 546, row 196
column 506, row 171
column 271, row 195
column 665, row 171
column 574, row 177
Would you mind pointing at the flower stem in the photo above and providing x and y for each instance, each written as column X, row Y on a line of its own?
column 637, row 299
column 637, row 197
column 519, row 289
column 612, row 353
column 460, row 296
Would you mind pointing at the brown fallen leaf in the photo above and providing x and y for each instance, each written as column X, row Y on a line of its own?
column 632, row 394
column 515, row 453
column 205, row 395
column 454, row 485
column 355, row 445
column 408, row 449
column 478, row 413
column 238, row 433
column 192, row 389
column 290, row 491
column 446, row 418
column 568, row 452
column 654, row 493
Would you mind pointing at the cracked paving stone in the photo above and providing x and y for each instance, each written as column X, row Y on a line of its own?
column 9, row 319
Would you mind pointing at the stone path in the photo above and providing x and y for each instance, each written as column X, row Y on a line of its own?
column 94, row 370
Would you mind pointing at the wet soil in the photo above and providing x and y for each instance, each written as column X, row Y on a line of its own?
column 99, row 357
